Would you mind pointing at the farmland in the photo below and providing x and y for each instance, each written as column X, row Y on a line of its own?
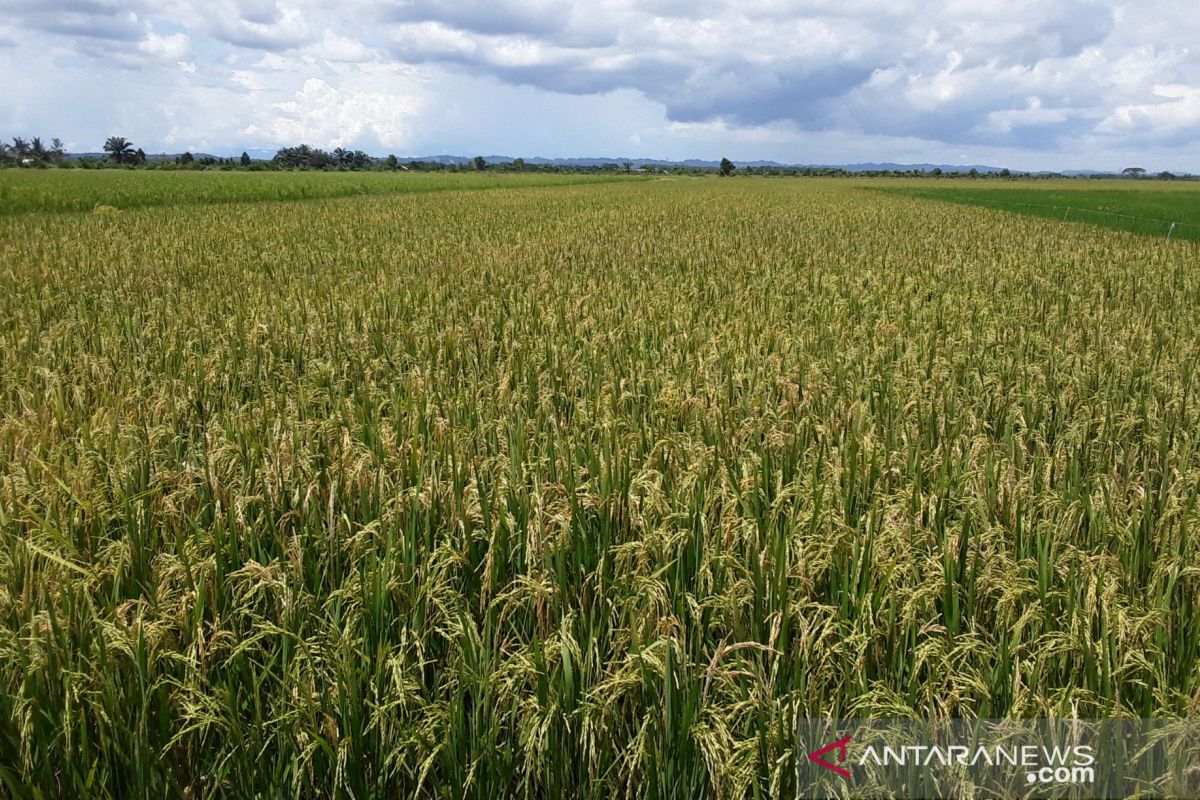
column 1125, row 205
column 521, row 488
column 23, row 191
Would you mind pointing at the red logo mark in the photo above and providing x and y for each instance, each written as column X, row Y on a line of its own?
column 840, row 746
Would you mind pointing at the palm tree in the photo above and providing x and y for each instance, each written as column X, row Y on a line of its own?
column 119, row 149
column 20, row 146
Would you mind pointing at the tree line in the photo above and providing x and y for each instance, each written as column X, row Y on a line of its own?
column 32, row 152
column 121, row 152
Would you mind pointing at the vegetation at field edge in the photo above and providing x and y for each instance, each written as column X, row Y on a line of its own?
column 1133, row 206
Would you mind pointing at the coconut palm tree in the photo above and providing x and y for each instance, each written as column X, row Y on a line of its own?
column 119, row 149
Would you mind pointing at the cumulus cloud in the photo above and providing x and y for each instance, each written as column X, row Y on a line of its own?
column 164, row 48
column 961, row 69
column 342, row 49
column 88, row 19
column 320, row 112
column 536, row 17
column 1175, row 109
column 1033, row 114
column 257, row 24
column 1045, row 75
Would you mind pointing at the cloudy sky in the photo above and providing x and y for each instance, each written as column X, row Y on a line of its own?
column 1029, row 84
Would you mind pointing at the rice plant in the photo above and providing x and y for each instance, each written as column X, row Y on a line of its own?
column 578, row 491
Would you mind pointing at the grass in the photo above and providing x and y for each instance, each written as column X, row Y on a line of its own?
column 1135, row 206
column 578, row 491
column 25, row 191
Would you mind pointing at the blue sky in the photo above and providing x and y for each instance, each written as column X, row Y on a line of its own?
column 1032, row 84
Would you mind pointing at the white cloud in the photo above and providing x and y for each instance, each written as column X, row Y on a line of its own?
column 1176, row 109
column 269, row 27
column 892, row 68
column 432, row 40
column 252, row 24
column 322, row 113
column 164, row 48
column 1035, row 76
column 333, row 47
column 1034, row 113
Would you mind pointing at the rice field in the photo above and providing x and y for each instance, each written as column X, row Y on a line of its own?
column 577, row 490
column 1150, row 208
column 23, row 191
